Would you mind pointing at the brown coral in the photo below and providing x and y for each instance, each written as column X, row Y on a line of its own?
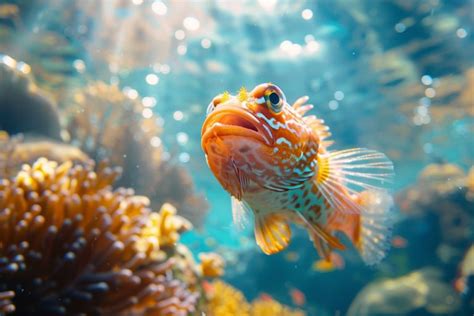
column 71, row 245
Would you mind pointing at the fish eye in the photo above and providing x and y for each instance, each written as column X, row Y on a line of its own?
column 275, row 99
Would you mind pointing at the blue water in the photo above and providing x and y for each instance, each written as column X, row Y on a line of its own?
column 385, row 75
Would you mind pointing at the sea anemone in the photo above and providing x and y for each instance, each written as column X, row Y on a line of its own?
column 69, row 244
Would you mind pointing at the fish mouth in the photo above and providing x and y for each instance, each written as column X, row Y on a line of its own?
column 228, row 120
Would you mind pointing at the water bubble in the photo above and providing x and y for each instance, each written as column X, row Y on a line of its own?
column 426, row 80
column 165, row 69
column 306, row 14
column 179, row 35
column 425, row 101
column 182, row 138
column 461, row 33
column 206, row 43
column 79, row 65
column 400, row 27
column 313, row 46
column 191, row 23
column 422, row 110
column 155, row 141
column 130, row 92
column 152, row 79
column 286, row 45
column 137, row 2
column 333, row 105
column 309, row 38
column 178, row 115
column 149, row 102
column 339, row 95
column 181, row 49
column 430, row 92
column 159, row 7
column 184, row 157
column 147, row 113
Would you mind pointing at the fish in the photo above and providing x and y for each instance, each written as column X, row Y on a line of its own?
column 274, row 161
column 297, row 297
column 324, row 265
column 399, row 242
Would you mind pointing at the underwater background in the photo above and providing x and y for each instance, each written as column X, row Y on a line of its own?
column 101, row 97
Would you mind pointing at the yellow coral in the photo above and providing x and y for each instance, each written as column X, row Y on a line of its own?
column 212, row 265
column 270, row 307
column 225, row 300
column 171, row 225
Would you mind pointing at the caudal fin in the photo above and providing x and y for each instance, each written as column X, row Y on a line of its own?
column 375, row 225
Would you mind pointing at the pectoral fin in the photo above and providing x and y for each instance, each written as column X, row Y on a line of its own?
column 272, row 233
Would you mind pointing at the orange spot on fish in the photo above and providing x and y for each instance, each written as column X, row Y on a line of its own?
column 399, row 242
column 297, row 297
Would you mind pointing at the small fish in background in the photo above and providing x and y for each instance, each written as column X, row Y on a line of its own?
column 297, row 297
column 275, row 163
column 292, row 256
column 465, row 279
column 265, row 297
column 335, row 262
column 399, row 242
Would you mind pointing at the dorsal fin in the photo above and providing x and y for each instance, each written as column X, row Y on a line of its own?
column 316, row 124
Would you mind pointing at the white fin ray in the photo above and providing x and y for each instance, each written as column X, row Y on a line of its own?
column 353, row 171
column 240, row 213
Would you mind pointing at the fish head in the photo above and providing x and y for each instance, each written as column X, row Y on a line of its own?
column 257, row 136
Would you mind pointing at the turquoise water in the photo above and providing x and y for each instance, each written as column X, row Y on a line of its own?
column 396, row 76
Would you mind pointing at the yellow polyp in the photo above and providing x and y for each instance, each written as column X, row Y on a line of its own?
column 212, row 265
column 243, row 94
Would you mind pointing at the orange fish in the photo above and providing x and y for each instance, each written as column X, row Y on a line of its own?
column 297, row 297
column 399, row 242
column 275, row 163
column 335, row 262
column 265, row 297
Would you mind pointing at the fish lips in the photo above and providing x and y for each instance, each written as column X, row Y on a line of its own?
column 229, row 120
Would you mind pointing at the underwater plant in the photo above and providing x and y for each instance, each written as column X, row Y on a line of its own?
column 69, row 244
column 106, row 122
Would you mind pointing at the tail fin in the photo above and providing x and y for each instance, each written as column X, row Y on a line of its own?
column 369, row 231
column 353, row 182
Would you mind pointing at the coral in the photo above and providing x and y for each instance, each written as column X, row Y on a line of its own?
column 16, row 151
column 224, row 300
column 442, row 189
column 270, row 307
column 106, row 122
column 421, row 289
column 24, row 108
column 212, row 265
column 69, row 244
